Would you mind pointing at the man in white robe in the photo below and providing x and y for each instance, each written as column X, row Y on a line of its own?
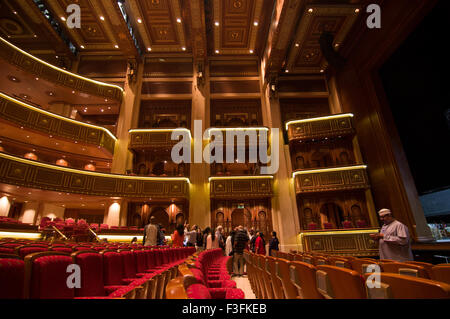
column 393, row 238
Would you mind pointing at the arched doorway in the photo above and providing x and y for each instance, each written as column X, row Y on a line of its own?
column 161, row 217
column 241, row 217
column 331, row 213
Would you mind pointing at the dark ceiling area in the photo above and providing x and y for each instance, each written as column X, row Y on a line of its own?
column 415, row 79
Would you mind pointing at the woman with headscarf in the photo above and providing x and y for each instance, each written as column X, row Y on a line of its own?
column 212, row 241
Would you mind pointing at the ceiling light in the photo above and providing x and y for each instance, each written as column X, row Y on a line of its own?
column 82, row 46
column 297, row 45
column 356, row 10
column 73, row 92
column 178, row 20
column 139, row 20
column 116, row 46
column 251, row 51
column 310, row 10
column 287, row 71
column 255, row 23
column 15, row 12
column 62, row 18
column 321, row 71
column 216, row 23
column 183, row 48
column 149, row 49
column 102, row 110
column 217, row 51
column 37, row 79
column 102, row 18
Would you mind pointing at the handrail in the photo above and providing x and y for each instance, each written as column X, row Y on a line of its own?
column 60, row 233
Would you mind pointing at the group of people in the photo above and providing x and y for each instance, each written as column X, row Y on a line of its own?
column 154, row 234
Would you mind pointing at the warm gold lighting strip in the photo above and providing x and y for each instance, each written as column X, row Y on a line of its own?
column 58, row 69
column 8, row 234
column 62, row 118
column 162, row 130
column 213, row 178
column 76, row 171
column 324, row 170
column 339, row 232
column 120, row 237
column 315, row 119
column 236, row 129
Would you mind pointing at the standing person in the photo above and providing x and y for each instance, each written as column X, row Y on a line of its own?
column 161, row 236
column 252, row 240
column 178, row 236
column 191, row 236
column 393, row 238
column 273, row 243
column 219, row 235
column 150, row 233
column 260, row 244
column 239, row 243
column 206, row 232
column 199, row 238
column 229, row 244
column 212, row 241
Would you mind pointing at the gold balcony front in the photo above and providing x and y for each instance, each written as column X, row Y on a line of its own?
column 331, row 179
column 31, row 174
column 241, row 186
column 320, row 127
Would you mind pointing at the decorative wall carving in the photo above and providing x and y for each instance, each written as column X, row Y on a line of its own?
column 331, row 127
column 344, row 243
column 54, row 125
column 17, row 171
column 241, row 187
column 326, row 181
column 151, row 139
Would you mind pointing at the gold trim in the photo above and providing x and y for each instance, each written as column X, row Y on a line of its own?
column 57, row 116
column 60, row 70
column 213, row 178
column 162, row 130
column 76, row 171
column 323, row 170
column 322, row 118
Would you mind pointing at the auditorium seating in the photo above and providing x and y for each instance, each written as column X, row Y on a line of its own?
column 404, row 269
column 282, row 272
column 395, row 286
column 12, row 273
column 339, row 283
column 441, row 273
column 303, row 277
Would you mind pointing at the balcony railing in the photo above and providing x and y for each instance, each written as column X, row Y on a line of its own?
column 155, row 138
column 320, row 127
column 241, row 186
column 31, row 174
column 44, row 70
column 25, row 115
column 331, row 179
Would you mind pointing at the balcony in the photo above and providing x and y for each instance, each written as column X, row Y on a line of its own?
column 331, row 179
column 245, row 136
column 43, row 70
column 14, row 114
column 155, row 138
column 321, row 127
column 241, row 186
column 31, row 174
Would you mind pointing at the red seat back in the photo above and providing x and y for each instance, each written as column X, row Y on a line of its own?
column 91, row 266
column 112, row 268
column 12, row 272
column 129, row 264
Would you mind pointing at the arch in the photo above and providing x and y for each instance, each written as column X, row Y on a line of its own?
column 241, row 217
column 331, row 213
column 179, row 219
column 300, row 162
column 158, row 168
column 142, row 169
column 161, row 216
column 344, row 158
column 136, row 220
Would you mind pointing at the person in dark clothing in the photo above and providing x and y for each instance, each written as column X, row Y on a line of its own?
column 239, row 243
column 206, row 232
column 252, row 242
column 273, row 243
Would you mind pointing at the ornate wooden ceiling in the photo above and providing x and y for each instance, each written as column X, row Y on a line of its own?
column 284, row 33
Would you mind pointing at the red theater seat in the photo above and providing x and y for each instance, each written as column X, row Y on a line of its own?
column 12, row 272
column 199, row 291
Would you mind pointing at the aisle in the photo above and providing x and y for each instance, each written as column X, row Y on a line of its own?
column 244, row 284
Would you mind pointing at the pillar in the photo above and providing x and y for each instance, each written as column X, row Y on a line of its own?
column 112, row 217
column 284, row 204
column 5, row 205
column 129, row 109
column 199, row 203
column 29, row 212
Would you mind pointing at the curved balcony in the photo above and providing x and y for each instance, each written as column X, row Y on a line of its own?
column 41, row 69
column 34, row 118
column 22, row 172
column 320, row 127
column 331, row 179
column 241, row 186
column 155, row 138
column 245, row 136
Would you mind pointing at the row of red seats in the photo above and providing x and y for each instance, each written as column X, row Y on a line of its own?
column 213, row 279
column 105, row 274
